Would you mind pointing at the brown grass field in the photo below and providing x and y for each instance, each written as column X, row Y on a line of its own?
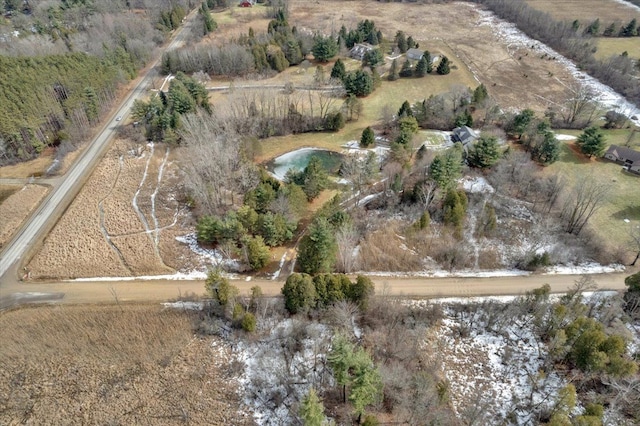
column 101, row 234
column 586, row 10
column 127, row 364
column 15, row 208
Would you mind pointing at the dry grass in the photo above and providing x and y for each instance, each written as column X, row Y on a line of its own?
column 102, row 235
column 36, row 167
column 16, row 208
column 586, row 10
column 111, row 365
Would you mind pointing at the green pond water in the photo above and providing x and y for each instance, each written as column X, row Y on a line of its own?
column 299, row 159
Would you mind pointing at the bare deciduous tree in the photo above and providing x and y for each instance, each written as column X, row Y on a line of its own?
column 583, row 200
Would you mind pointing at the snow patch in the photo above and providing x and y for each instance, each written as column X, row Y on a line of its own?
column 584, row 268
column 187, row 306
column 211, row 257
column 562, row 137
column 476, row 185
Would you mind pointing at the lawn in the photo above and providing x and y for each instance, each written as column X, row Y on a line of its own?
column 624, row 201
column 616, row 45
column 586, row 11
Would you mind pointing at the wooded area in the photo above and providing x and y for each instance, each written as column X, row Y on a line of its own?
column 61, row 63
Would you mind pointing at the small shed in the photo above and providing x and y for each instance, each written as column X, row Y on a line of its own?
column 359, row 49
column 464, row 134
column 629, row 158
column 245, row 3
column 414, row 54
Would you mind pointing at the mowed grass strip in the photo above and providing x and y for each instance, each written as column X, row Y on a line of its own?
column 609, row 46
column 586, row 11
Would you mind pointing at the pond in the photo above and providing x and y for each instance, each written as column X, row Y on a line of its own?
column 299, row 159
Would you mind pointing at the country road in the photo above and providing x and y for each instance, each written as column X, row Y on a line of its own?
column 76, row 292
column 46, row 215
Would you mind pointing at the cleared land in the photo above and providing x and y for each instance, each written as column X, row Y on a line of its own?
column 112, row 365
column 616, row 46
column 15, row 208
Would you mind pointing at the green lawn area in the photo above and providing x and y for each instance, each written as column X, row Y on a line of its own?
column 608, row 46
column 624, row 200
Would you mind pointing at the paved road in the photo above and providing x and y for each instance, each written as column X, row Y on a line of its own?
column 47, row 214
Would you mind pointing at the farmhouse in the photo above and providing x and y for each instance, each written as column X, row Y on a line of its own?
column 359, row 49
column 414, row 54
column 629, row 158
column 464, row 134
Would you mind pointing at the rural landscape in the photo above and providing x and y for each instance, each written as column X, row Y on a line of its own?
column 279, row 212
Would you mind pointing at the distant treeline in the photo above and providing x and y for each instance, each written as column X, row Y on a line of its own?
column 618, row 72
column 51, row 93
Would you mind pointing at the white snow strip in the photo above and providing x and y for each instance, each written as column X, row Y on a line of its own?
column 630, row 5
column 153, row 199
column 561, row 137
column 187, row 306
column 134, row 201
column 584, row 268
column 605, row 94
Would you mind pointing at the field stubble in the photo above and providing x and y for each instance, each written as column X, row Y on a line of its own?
column 125, row 364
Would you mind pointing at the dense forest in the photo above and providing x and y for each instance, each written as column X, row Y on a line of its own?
column 61, row 63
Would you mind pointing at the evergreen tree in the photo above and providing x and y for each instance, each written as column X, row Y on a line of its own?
column 358, row 83
column 548, row 150
column 406, row 70
column 368, row 138
column 405, row 110
column 443, row 67
column 312, row 410
column 338, row 71
column 446, row 169
column 393, row 71
column 324, row 48
column 299, row 293
column 591, row 142
column 593, row 28
column 421, row 67
column 366, row 382
column 340, row 360
column 317, row 252
column 629, row 30
column 401, row 42
column 411, row 44
column 479, row 94
column 484, row 153
column 315, row 178
column 372, row 58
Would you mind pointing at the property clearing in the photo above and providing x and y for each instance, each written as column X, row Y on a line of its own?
column 587, row 11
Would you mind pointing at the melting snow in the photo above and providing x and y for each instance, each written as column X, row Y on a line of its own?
column 476, row 185
column 514, row 37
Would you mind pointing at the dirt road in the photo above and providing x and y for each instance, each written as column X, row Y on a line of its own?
column 163, row 290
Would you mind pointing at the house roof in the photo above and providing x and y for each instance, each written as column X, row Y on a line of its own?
column 624, row 153
column 465, row 134
column 415, row 53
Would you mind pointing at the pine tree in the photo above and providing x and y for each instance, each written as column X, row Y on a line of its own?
column 421, row 67
column 484, row 153
column 591, row 142
column 368, row 138
column 338, row 71
column 406, row 70
column 405, row 110
column 401, row 42
column 393, row 71
column 312, row 410
column 317, row 252
column 443, row 67
column 324, row 48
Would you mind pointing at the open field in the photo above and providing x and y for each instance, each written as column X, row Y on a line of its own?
column 122, row 222
column 616, row 46
column 36, row 167
column 15, row 208
column 608, row 224
column 126, row 364
column 587, row 10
